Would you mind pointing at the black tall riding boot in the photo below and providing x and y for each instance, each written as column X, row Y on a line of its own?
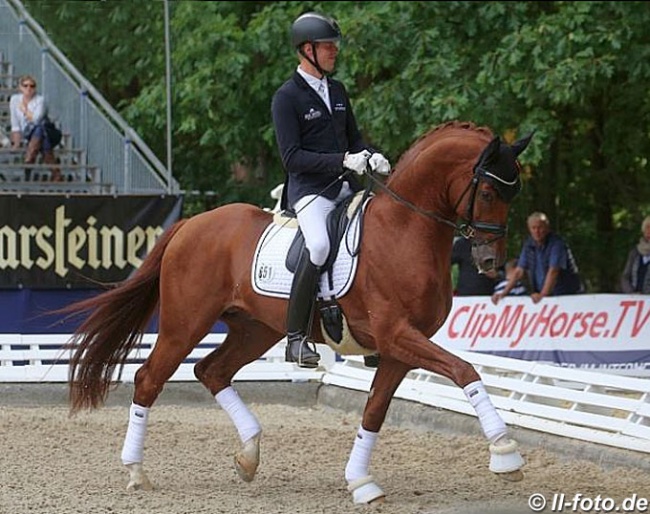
column 301, row 305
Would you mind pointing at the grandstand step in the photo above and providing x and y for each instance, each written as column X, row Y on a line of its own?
column 8, row 80
column 57, row 188
column 66, row 155
column 14, row 173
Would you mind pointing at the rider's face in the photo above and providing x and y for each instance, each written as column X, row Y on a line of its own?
column 326, row 52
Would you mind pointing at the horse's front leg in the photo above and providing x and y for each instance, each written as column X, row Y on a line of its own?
column 361, row 484
column 414, row 348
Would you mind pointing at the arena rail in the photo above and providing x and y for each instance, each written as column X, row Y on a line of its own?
column 592, row 406
column 39, row 358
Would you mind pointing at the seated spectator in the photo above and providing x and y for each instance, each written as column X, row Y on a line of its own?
column 506, row 274
column 470, row 282
column 28, row 112
column 549, row 262
column 635, row 277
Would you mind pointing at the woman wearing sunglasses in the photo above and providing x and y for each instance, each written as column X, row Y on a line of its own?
column 28, row 116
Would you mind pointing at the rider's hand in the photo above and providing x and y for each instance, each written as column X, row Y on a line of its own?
column 379, row 164
column 356, row 162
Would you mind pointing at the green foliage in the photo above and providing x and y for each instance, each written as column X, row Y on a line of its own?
column 575, row 72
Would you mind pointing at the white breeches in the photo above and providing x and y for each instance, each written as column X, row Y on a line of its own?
column 312, row 212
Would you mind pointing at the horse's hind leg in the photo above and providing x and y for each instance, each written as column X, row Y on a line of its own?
column 167, row 355
column 246, row 341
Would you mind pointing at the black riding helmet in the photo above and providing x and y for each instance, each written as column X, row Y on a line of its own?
column 313, row 28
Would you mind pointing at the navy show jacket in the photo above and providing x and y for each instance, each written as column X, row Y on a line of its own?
column 312, row 141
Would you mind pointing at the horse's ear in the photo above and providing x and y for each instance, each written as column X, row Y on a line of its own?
column 491, row 151
column 521, row 144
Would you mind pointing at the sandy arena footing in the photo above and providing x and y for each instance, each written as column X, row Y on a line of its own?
column 428, row 461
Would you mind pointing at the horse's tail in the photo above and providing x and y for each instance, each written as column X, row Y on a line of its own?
column 115, row 324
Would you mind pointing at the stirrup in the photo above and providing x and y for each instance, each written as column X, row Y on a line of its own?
column 303, row 355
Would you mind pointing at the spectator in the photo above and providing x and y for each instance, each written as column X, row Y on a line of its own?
column 635, row 277
column 317, row 137
column 506, row 274
column 552, row 270
column 470, row 282
column 28, row 112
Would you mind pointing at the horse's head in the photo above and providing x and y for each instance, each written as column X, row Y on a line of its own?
column 495, row 183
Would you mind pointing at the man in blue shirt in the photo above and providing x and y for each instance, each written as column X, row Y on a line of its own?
column 548, row 260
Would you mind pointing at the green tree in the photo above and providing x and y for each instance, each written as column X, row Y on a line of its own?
column 575, row 72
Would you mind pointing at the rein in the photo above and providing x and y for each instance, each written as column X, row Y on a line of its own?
column 412, row 206
column 469, row 227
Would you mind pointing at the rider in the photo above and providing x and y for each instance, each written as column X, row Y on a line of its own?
column 317, row 136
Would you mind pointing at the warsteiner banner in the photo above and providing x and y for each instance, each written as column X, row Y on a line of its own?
column 78, row 242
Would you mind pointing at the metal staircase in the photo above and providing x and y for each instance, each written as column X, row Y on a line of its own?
column 100, row 153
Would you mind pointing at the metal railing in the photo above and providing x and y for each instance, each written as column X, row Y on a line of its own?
column 118, row 152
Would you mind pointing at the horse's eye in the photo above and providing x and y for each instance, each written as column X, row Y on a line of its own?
column 486, row 196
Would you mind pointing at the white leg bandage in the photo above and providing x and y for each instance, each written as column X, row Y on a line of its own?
column 134, row 441
column 493, row 426
column 359, row 460
column 243, row 419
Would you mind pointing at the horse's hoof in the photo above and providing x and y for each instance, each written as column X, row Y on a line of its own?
column 512, row 476
column 366, row 491
column 138, row 478
column 247, row 460
column 142, row 486
column 505, row 459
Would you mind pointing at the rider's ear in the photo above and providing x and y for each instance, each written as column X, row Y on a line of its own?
column 521, row 144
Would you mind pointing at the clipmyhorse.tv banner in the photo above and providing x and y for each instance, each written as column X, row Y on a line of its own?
column 605, row 332
column 78, row 242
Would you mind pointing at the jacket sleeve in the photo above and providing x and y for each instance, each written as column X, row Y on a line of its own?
column 294, row 157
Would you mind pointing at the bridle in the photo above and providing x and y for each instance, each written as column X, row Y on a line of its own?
column 468, row 226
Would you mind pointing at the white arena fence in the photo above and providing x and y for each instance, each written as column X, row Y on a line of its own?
column 592, row 406
column 38, row 358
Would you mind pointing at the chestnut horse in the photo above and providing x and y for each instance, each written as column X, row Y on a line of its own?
column 458, row 177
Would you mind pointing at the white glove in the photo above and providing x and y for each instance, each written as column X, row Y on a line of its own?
column 356, row 162
column 379, row 164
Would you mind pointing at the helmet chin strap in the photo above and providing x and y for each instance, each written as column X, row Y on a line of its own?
column 314, row 61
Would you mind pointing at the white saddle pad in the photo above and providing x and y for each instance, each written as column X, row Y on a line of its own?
column 270, row 276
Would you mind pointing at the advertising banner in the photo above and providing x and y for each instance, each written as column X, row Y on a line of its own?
column 605, row 332
column 78, row 242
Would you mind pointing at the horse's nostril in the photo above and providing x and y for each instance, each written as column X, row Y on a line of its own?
column 488, row 265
